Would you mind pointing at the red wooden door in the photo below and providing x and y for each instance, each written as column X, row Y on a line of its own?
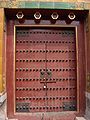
column 46, row 79
column 61, row 56
column 30, row 67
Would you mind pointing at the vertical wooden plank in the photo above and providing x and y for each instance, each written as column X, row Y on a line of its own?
column 10, row 67
column 88, row 52
column 1, row 42
column 87, row 24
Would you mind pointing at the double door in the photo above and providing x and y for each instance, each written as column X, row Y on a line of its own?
column 45, row 70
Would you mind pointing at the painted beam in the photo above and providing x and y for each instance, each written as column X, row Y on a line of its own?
column 46, row 5
column 1, row 44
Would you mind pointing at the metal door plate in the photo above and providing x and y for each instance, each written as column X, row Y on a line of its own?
column 22, row 107
column 69, row 106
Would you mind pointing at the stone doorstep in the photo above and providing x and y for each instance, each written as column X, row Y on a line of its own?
column 80, row 118
column 11, row 119
column 77, row 118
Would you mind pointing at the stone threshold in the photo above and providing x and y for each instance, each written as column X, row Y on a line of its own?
column 77, row 118
column 80, row 118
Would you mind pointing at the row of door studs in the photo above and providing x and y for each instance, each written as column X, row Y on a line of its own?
column 45, row 51
column 36, row 70
column 38, row 89
column 46, row 98
column 27, row 41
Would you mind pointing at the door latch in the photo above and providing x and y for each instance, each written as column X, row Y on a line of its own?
column 42, row 74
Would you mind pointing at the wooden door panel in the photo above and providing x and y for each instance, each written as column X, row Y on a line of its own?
column 30, row 95
column 45, row 70
column 62, row 56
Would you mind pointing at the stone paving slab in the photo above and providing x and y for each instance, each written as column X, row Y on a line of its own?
column 3, row 111
column 80, row 118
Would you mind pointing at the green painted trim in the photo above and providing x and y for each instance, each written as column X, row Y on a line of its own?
column 48, row 5
column 45, row 5
column 31, row 5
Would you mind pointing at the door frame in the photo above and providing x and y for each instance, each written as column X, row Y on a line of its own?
column 77, row 62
